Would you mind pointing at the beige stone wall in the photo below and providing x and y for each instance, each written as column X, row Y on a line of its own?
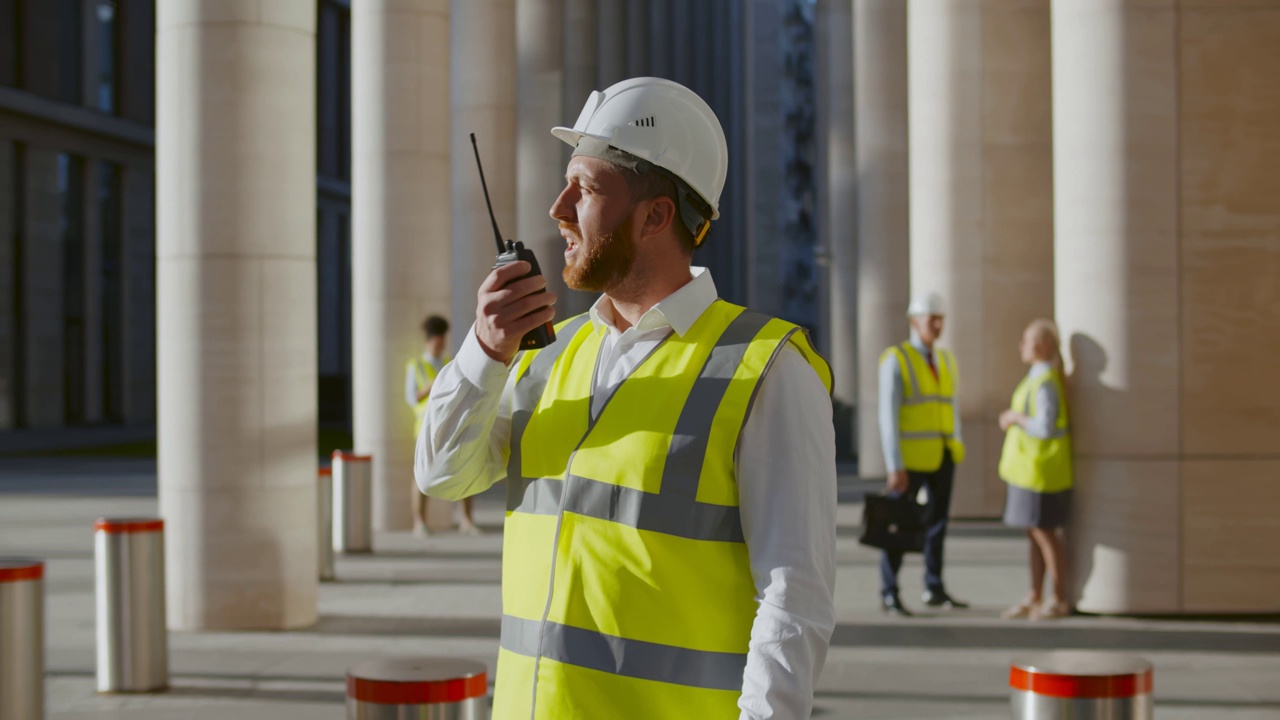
column 981, row 204
column 1229, row 305
column 1166, row 119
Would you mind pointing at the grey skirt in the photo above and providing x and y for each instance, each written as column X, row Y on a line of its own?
column 1029, row 509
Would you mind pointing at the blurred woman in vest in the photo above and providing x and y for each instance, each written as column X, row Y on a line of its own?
column 419, row 375
column 1036, row 465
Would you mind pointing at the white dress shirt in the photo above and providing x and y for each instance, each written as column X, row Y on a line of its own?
column 785, row 471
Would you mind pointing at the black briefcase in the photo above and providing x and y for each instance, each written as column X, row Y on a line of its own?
column 894, row 523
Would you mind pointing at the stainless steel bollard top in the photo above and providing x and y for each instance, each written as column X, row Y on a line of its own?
column 352, row 502
column 324, row 523
column 1081, row 685
column 432, row 688
column 21, row 639
column 133, row 639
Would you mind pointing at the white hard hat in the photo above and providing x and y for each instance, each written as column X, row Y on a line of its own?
column 664, row 123
column 929, row 303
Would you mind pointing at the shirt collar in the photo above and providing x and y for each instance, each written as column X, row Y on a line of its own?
column 678, row 311
column 918, row 344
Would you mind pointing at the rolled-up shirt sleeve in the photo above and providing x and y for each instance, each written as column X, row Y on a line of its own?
column 1042, row 423
column 466, row 435
column 787, row 497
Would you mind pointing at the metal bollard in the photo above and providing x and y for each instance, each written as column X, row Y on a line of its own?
column 352, row 502
column 324, row 522
column 1081, row 685
column 427, row 688
column 21, row 639
column 133, row 641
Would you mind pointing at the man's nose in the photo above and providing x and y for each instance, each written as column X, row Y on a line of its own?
column 563, row 208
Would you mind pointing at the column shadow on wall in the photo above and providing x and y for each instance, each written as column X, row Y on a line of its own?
column 1085, row 388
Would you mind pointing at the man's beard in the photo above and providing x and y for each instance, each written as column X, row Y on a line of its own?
column 603, row 262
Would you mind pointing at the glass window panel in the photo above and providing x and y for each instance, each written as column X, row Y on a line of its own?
column 71, row 229
column 105, row 28
column 9, row 219
column 112, row 288
column 10, row 37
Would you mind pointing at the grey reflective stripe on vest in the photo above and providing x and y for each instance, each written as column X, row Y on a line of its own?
column 926, row 435
column 672, row 514
column 923, row 399
column 620, row 656
column 688, row 449
column 528, row 392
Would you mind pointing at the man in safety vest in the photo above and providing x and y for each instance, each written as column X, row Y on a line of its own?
column 920, row 433
column 419, row 376
column 669, row 546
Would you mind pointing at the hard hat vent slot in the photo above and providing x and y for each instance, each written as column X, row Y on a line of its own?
column 644, row 122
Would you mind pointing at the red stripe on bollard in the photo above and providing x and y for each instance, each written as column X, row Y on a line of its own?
column 386, row 692
column 17, row 572
column 130, row 525
column 326, row 471
column 351, row 457
column 1081, row 686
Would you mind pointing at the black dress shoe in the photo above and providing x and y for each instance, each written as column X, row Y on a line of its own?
column 940, row 599
column 892, row 605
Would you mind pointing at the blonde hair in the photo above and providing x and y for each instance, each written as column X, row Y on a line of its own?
column 1046, row 333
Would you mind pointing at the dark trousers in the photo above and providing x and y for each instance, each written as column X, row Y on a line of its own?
column 938, row 484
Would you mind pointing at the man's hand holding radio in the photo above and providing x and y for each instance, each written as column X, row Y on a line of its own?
column 507, row 308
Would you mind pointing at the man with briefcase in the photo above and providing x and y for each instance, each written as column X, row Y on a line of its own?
column 920, row 434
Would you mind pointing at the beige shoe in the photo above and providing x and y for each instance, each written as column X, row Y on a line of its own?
column 1051, row 611
column 470, row 529
column 421, row 531
column 1017, row 612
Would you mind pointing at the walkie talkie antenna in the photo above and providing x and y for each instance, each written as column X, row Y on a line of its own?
column 497, row 234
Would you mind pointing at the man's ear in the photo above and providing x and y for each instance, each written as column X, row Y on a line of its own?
column 658, row 218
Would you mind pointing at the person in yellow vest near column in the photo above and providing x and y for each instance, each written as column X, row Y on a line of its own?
column 920, row 434
column 1036, row 465
column 419, row 376
column 669, row 546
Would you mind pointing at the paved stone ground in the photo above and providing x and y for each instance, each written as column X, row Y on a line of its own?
column 441, row 596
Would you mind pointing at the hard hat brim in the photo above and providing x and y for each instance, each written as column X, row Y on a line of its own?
column 571, row 137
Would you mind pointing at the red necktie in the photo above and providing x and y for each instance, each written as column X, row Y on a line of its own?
column 933, row 368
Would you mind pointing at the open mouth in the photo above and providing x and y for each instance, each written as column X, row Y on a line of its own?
column 571, row 245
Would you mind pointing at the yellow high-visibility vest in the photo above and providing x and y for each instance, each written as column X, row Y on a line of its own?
column 926, row 420
column 626, row 587
column 423, row 373
column 1032, row 463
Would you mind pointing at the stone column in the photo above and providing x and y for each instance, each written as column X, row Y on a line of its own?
column 611, row 42
column 540, row 160
column 1166, row 268
column 981, row 202
column 837, row 216
column 880, row 152
column 400, row 256
column 236, row 172
column 581, row 58
column 483, row 99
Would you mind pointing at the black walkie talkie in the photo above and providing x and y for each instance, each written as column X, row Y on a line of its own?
column 510, row 252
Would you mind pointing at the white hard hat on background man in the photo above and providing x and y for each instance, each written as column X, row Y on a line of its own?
column 929, row 303
column 666, row 124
